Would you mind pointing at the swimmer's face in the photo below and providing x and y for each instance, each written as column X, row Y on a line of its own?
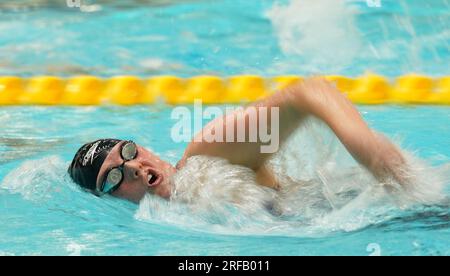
column 137, row 174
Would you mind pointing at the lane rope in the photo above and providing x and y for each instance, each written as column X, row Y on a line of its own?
column 130, row 90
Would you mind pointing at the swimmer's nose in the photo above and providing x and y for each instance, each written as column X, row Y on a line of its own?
column 132, row 169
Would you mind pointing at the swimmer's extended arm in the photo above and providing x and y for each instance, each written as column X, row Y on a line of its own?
column 315, row 97
column 321, row 99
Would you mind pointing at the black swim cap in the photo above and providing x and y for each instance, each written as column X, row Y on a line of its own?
column 88, row 160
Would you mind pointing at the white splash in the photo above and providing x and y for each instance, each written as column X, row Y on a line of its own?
column 212, row 192
column 36, row 179
column 322, row 31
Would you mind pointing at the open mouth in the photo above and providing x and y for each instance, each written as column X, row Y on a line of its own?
column 153, row 179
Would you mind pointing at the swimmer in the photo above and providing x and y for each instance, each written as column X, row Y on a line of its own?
column 126, row 170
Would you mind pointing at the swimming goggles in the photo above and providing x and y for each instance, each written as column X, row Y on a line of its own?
column 114, row 177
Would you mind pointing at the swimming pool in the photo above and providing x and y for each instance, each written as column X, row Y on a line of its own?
column 44, row 213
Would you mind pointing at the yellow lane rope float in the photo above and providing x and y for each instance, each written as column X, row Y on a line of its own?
column 130, row 90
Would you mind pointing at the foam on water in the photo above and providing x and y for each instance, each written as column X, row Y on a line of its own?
column 321, row 30
column 46, row 183
column 347, row 36
column 35, row 179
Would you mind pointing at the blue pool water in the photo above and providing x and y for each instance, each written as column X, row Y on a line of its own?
column 44, row 213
